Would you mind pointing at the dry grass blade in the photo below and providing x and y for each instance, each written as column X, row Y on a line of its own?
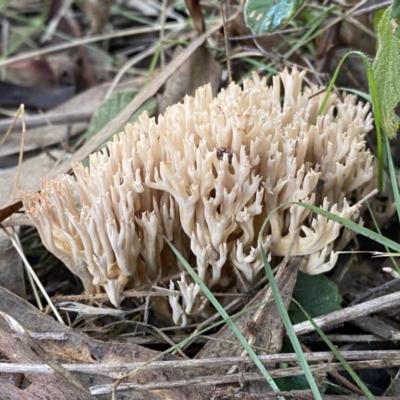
column 83, row 41
column 35, row 121
column 32, row 273
column 269, row 359
column 10, row 124
column 21, row 152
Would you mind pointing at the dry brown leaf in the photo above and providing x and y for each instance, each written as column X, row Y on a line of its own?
column 77, row 69
column 98, row 12
column 31, row 72
column 38, row 350
column 196, row 14
column 198, row 70
column 262, row 327
column 32, row 170
column 12, row 95
column 11, row 270
column 40, row 138
column 354, row 37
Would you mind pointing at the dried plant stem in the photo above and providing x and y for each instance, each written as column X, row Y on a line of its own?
column 107, row 368
column 129, row 64
column 162, row 31
column 5, row 30
column 21, row 151
column 160, row 292
column 34, row 121
column 83, row 41
column 226, row 42
column 241, row 377
column 381, row 303
column 53, row 23
column 10, row 125
column 31, row 272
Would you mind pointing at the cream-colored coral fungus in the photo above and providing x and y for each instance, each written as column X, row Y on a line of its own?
column 205, row 175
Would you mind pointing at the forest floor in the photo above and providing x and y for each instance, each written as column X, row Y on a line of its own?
column 72, row 74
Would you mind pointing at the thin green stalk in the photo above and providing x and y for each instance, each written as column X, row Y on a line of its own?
column 390, row 255
column 226, row 318
column 299, row 42
column 361, row 230
column 393, row 177
column 337, row 354
column 153, row 64
column 349, row 224
column 375, row 107
column 286, row 320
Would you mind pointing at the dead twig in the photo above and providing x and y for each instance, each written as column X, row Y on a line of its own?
column 347, row 314
column 35, row 121
column 240, row 377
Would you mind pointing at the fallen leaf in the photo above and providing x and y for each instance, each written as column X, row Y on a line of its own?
column 31, row 72
column 196, row 14
column 32, row 170
column 262, row 326
column 11, row 270
column 43, row 136
column 199, row 69
column 98, row 12
column 264, row 16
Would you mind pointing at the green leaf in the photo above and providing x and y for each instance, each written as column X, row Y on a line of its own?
column 317, row 294
column 263, row 16
column 290, row 383
column 112, row 107
column 386, row 71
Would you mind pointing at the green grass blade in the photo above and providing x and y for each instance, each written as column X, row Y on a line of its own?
column 357, row 92
column 313, row 26
column 390, row 255
column 378, row 121
column 337, row 354
column 286, row 321
column 393, row 177
column 226, row 318
column 348, row 224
